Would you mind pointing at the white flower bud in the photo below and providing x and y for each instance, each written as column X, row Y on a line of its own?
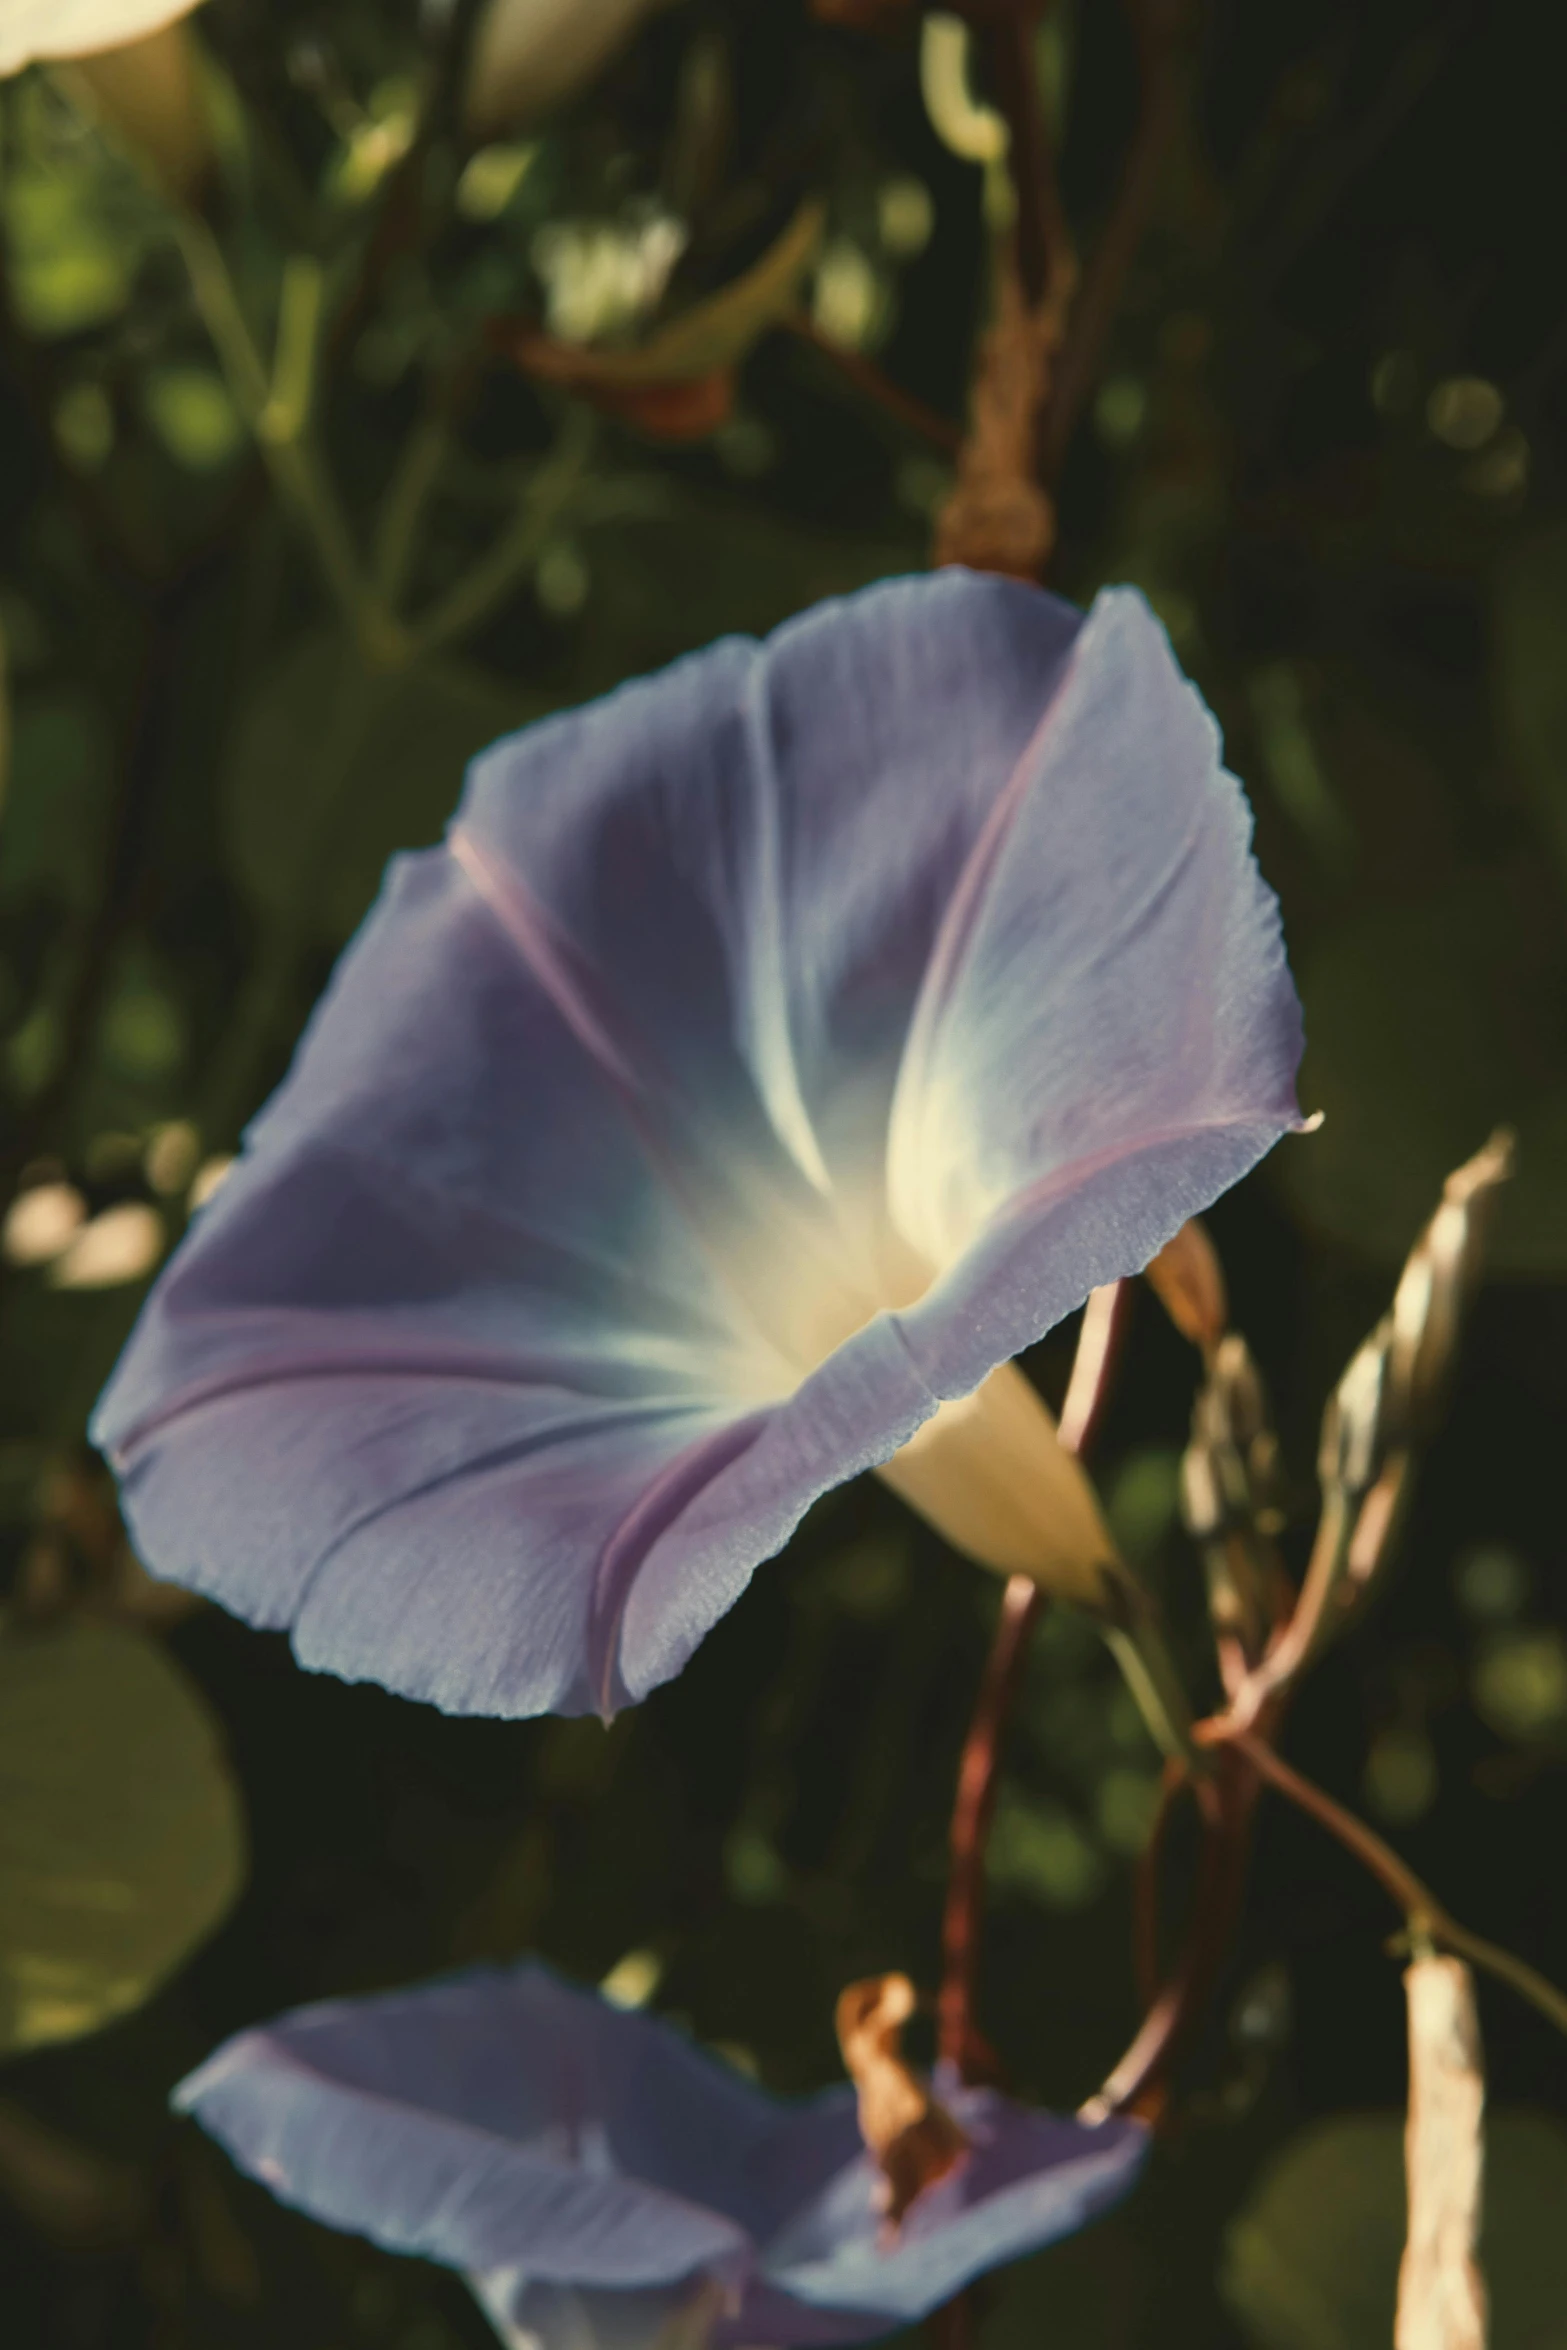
column 529, row 55
column 44, row 30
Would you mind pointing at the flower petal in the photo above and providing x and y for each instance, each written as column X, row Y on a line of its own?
column 594, row 2166
column 32, row 29
column 494, row 2121
column 558, row 1280
column 1107, row 1035
column 395, row 1392
column 752, row 852
column 1028, row 2180
column 529, row 2316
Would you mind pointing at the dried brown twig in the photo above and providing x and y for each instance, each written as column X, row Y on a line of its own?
column 1384, row 1407
column 1163, row 30
column 1427, row 1920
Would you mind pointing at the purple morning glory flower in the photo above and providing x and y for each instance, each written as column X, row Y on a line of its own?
column 772, row 1051
column 598, row 2177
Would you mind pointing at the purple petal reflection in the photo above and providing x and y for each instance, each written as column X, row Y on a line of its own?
column 776, row 1046
column 584, row 2164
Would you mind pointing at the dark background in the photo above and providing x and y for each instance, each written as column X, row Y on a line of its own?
column 1329, row 442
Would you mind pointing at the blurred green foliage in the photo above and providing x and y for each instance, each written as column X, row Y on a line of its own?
column 1311, row 2262
column 289, row 526
column 121, row 1844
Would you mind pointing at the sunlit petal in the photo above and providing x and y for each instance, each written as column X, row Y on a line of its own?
column 777, row 1046
column 78, row 28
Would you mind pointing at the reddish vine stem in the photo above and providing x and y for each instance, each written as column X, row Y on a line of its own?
column 1228, row 1801
column 1145, row 1885
column 1161, row 30
column 867, row 378
column 1040, row 232
column 957, row 2040
column 1425, row 1914
column 1173, row 2005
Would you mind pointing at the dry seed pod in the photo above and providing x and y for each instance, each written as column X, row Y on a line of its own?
column 1383, row 1405
column 1441, row 2293
column 1355, row 1423
column 1390, row 1395
column 1230, row 1498
column 1438, row 1281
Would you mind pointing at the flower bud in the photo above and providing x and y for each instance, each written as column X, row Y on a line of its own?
column 1438, row 1280
column 990, row 1473
column 530, row 55
column 1188, row 1281
column 44, row 31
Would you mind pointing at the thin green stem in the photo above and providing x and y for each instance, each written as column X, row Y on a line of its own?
column 301, row 479
column 413, row 482
column 274, row 973
column 292, row 395
column 1133, row 1635
column 548, row 491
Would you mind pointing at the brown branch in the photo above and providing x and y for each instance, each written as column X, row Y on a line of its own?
column 928, row 424
column 1161, row 27
column 1040, row 231
column 957, row 2041
column 1145, row 1884
column 1427, row 1918
column 1227, row 1801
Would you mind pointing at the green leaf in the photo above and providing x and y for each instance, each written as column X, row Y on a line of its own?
column 336, row 767
column 1311, row 2261
column 713, row 333
column 121, row 1837
column 1426, row 1026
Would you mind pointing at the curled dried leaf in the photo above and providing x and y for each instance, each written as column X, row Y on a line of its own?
column 913, row 2138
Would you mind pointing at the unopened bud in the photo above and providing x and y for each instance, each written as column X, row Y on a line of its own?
column 1188, row 1281
column 1438, row 1280
column 990, row 1472
column 1230, row 1426
column 1205, row 1505
column 149, row 94
column 1355, row 1423
column 1381, row 1408
column 530, row 55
